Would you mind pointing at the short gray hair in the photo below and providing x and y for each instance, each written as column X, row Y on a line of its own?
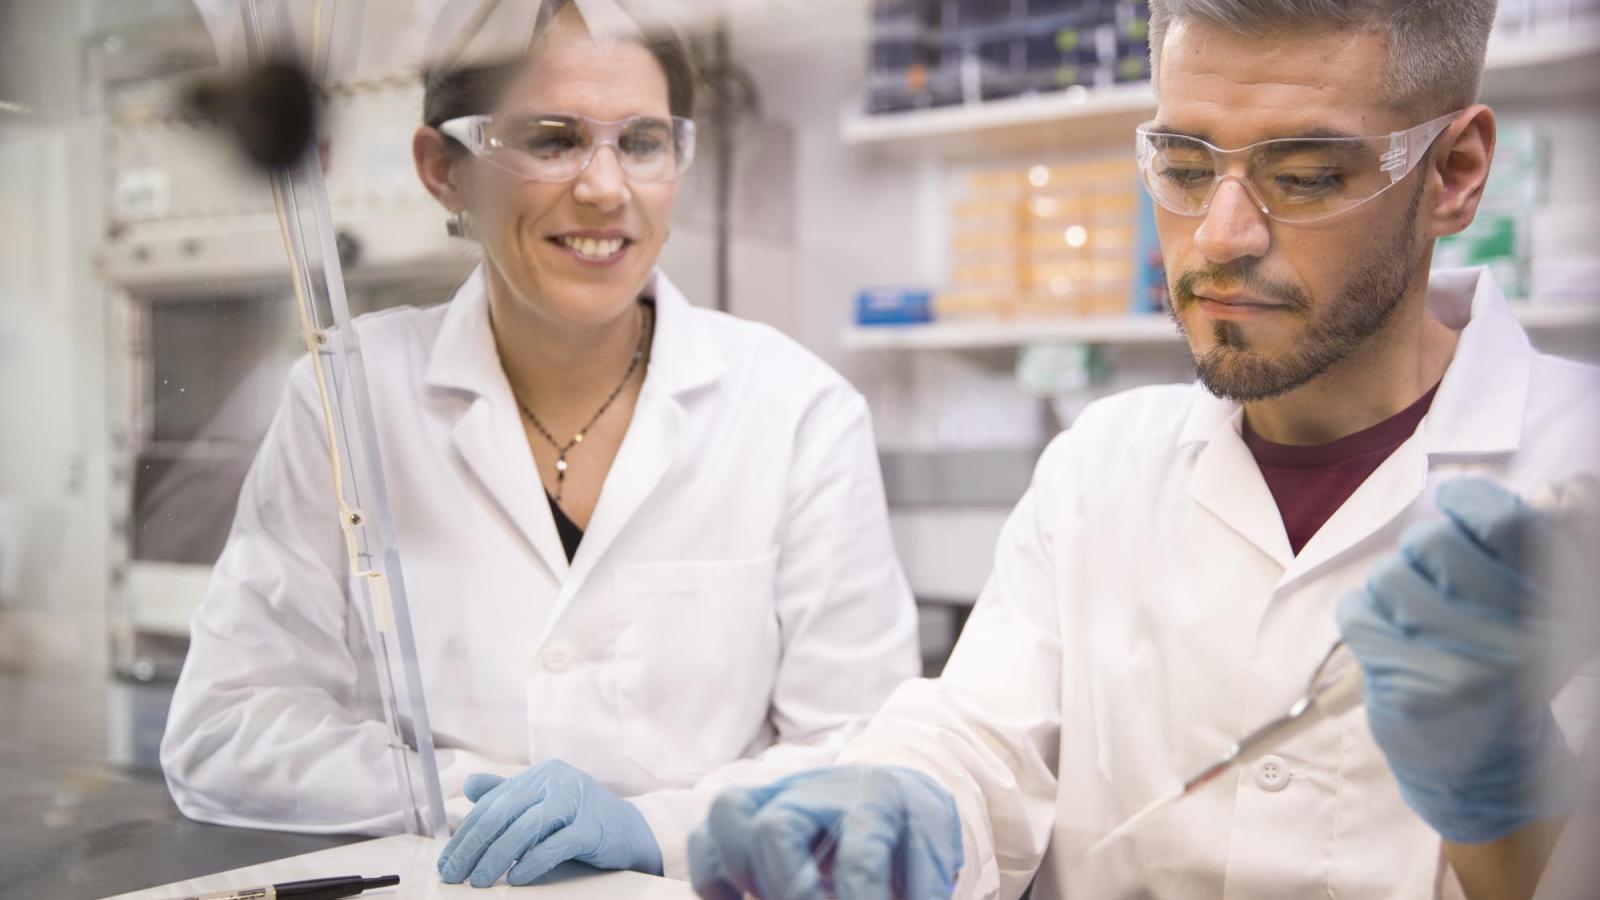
column 1436, row 47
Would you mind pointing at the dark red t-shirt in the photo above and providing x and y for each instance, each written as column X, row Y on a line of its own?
column 1310, row 483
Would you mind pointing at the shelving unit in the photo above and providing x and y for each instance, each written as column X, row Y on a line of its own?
column 1144, row 329
column 1516, row 68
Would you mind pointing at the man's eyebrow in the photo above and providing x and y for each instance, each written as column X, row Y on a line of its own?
column 1313, row 134
column 1158, row 128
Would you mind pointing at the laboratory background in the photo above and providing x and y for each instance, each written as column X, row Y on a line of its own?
column 936, row 197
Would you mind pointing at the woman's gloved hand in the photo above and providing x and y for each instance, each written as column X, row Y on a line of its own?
column 877, row 831
column 1461, row 636
column 525, row 826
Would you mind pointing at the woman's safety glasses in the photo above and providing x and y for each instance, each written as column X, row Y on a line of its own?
column 556, row 147
column 1293, row 180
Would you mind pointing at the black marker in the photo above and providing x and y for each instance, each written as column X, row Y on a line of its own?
column 315, row 889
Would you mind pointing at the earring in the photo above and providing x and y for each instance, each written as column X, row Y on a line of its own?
column 460, row 226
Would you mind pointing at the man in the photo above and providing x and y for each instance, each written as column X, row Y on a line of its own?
column 1187, row 554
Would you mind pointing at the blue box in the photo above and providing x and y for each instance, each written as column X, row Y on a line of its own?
column 894, row 306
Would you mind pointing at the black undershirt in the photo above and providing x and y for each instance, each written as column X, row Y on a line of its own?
column 571, row 534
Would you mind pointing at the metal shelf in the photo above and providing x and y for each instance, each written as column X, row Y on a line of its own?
column 1138, row 329
column 1522, row 67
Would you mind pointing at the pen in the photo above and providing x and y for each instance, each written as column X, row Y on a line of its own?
column 315, row 889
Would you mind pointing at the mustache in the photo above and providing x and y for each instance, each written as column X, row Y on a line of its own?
column 1235, row 279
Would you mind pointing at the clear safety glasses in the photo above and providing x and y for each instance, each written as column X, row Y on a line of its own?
column 555, row 147
column 1293, row 180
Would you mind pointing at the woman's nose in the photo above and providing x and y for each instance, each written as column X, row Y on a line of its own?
column 602, row 183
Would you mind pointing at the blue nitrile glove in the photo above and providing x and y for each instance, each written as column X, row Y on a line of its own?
column 1460, row 639
column 887, row 832
column 546, row 815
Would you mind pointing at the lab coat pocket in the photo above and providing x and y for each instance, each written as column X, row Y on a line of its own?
column 695, row 660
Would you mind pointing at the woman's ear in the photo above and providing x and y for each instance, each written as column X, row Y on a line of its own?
column 435, row 160
column 1459, row 169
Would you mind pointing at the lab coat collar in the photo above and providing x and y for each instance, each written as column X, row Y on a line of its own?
column 683, row 354
column 1477, row 410
column 1480, row 405
column 684, row 357
column 488, row 432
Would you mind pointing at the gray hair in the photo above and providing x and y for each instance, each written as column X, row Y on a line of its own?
column 1436, row 47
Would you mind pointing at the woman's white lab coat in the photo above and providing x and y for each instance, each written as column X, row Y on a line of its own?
column 1145, row 611
column 733, row 613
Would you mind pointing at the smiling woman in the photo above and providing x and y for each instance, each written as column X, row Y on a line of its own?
column 645, row 544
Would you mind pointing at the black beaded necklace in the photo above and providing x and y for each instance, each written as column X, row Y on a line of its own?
column 563, row 449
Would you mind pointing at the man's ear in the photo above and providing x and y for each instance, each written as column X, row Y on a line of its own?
column 435, row 159
column 1458, row 169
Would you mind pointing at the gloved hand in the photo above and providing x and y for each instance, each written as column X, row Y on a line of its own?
column 888, row 831
column 541, row 818
column 1457, row 636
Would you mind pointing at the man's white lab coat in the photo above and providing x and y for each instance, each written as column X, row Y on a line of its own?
column 1145, row 611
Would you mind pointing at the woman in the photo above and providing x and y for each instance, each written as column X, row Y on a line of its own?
column 645, row 544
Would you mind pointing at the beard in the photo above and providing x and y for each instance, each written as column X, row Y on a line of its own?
column 1233, row 370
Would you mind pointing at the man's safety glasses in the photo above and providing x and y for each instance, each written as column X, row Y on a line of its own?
column 556, row 147
column 1293, row 180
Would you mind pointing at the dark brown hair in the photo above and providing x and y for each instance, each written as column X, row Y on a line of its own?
column 452, row 92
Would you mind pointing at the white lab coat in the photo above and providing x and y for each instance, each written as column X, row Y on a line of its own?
column 1145, row 610
column 734, row 611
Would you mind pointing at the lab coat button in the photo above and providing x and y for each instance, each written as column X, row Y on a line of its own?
column 557, row 659
column 1272, row 773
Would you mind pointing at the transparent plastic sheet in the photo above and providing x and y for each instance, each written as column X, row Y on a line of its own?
column 374, row 578
column 550, row 715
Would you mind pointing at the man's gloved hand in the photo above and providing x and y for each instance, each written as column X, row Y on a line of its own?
column 548, row 814
column 1461, row 639
column 878, row 832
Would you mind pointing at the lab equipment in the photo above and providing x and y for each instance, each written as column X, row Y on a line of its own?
column 1292, row 180
column 371, row 551
column 885, row 828
column 555, row 147
column 928, row 53
column 525, row 826
column 1337, row 684
column 312, row 889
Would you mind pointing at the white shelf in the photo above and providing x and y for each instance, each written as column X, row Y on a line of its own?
column 979, row 334
column 1146, row 329
column 1013, row 125
column 1548, row 64
column 1542, row 65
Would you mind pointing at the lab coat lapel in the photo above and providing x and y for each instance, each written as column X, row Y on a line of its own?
column 1477, row 411
column 683, row 358
column 489, row 443
column 1226, row 481
column 1387, row 492
column 488, row 435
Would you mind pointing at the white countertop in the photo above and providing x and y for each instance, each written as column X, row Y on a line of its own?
column 412, row 858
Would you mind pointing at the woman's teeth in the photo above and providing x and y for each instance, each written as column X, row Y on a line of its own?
column 592, row 248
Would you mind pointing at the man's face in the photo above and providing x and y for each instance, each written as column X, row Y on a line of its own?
column 1267, row 306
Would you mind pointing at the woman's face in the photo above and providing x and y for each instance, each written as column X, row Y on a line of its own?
column 535, row 234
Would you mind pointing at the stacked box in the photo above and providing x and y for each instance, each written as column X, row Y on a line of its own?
column 1079, row 239
column 1046, row 240
column 986, row 223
